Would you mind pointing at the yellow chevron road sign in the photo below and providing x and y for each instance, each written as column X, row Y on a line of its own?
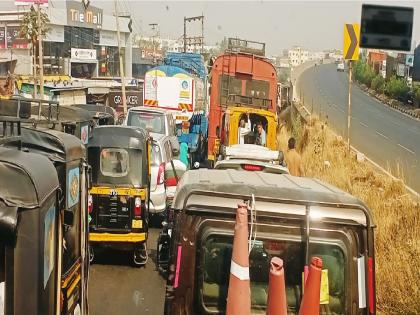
column 351, row 41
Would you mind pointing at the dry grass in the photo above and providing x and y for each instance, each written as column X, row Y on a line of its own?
column 396, row 214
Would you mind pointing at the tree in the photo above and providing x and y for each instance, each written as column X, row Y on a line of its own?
column 29, row 27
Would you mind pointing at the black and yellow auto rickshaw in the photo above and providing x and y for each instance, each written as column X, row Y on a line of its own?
column 118, row 199
column 68, row 157
column 29, row 234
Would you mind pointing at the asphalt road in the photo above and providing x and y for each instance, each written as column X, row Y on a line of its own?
column 115, row 287
column 388, row 137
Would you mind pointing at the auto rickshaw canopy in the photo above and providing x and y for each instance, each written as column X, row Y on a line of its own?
column 222, row 190
column 27, row 181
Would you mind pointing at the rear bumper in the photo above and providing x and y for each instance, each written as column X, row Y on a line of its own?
column 110, row 237
column 158, row 200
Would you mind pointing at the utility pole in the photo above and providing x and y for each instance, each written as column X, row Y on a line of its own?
column 124, row 100
column 349, row 108
column 194, row 40
column 155, row 27
column 41, row 54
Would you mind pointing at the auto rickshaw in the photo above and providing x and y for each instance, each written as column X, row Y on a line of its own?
column 119, row 198
column 68, row 156
column 43, row 198
column 231, row 119
column 293, row 218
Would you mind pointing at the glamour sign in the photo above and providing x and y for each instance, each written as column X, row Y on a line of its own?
column 77, row 15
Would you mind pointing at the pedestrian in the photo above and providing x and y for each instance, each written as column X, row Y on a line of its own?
column 183, row 154
column 293, row 159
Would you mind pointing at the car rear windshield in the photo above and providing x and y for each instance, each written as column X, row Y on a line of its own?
column 154, row 122
column 216, row 257
column 114, row 162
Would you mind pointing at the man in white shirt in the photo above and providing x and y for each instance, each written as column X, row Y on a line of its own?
column 244, row 129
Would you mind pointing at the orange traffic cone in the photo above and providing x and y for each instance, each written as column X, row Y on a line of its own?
column 239, row 292
column 311, row 295
column 277, row 303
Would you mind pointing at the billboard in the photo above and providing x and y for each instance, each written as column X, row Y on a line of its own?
column 31, row 2
column 78, row 16
column 13, row 39
column 2, row 37
column 133, row 98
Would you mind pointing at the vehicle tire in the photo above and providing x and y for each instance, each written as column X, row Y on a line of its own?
column 140, row 255
column 91, row 254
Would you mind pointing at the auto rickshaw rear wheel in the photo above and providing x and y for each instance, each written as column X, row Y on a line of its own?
column 140, row 255
column 91, row 254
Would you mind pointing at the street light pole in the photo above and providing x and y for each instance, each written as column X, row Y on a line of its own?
column 121, row 60
column 41, row 55
column 349, row 107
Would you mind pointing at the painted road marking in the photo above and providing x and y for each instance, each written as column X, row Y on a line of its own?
column 364, row 125
column 382, row 135
column 407, row 149
column 341, row 110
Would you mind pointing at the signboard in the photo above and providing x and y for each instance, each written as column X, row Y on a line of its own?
column 2, row 37
column 83, row 54
column 409, row 60
column 133, row 98
column 13, row 39
column 386, row 27
column 185, row 86
column 400, row 70
column 31, row 2
column 351, row 41
column 77, row 15
column 55, row 34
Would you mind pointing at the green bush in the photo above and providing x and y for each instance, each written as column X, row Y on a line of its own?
column 363, row 73
column 378, row 83
column 396, row 88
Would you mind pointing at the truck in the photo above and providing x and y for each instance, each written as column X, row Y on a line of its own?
column 180, row 85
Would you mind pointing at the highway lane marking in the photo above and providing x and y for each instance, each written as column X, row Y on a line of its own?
column 382, row 135
column 407, row 149
column 364, row 125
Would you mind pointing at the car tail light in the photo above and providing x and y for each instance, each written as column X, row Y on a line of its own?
column 250, row 167
column 161, row 174
column 371, row 285
column 90, row 203
column 171, row 181
column 137, row 207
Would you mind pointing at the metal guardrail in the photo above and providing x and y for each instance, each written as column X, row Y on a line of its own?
column 10, row 130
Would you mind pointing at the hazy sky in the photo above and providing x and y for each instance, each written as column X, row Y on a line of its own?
column 315, row 25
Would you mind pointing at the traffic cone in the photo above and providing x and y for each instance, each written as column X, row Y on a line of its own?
column 239, row 292
column 277, row 303
column 311, row 295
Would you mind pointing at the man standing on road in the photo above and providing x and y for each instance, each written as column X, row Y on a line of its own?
column 293, row 159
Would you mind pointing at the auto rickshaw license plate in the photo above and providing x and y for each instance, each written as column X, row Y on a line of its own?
column 137, row 224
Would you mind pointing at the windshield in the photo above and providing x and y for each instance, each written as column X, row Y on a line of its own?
column 114, row 162
column 153, row 122
column 216, row 256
